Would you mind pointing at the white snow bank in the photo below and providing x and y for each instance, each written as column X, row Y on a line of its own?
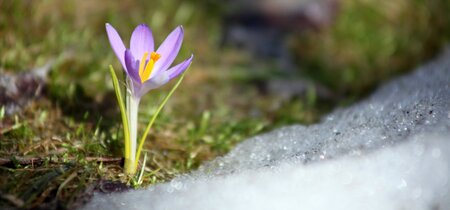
column 409, row 176
column 391, row 151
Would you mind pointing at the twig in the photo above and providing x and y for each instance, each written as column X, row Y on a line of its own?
column 17, row 202
column 71, row 176
column 40, row 160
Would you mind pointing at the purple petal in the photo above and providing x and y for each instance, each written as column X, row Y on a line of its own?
column 141, row 41
column 132, row 68
column 169, row 50
column 153, row 83
column 180, row 68
column 161, row 79
column 116, row 43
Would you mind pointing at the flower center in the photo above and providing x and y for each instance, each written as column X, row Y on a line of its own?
column 146, row 68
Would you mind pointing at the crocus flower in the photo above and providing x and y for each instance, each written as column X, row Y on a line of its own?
column 145, row 68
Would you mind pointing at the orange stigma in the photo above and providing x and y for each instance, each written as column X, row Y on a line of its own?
column 155, row 56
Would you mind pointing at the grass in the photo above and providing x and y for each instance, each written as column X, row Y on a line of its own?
column 77, row 121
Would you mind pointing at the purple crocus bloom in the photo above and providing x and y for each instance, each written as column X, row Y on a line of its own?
column 145, row 68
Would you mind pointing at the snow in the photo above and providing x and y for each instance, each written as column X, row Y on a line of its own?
column 390, row 151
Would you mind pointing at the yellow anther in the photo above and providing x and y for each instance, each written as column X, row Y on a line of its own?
column 149, row 68
column 142, row 65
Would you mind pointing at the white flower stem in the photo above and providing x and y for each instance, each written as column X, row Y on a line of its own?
column 132, row 113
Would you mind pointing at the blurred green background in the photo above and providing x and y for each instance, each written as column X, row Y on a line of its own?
column 367, row 41
column 231, row 92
